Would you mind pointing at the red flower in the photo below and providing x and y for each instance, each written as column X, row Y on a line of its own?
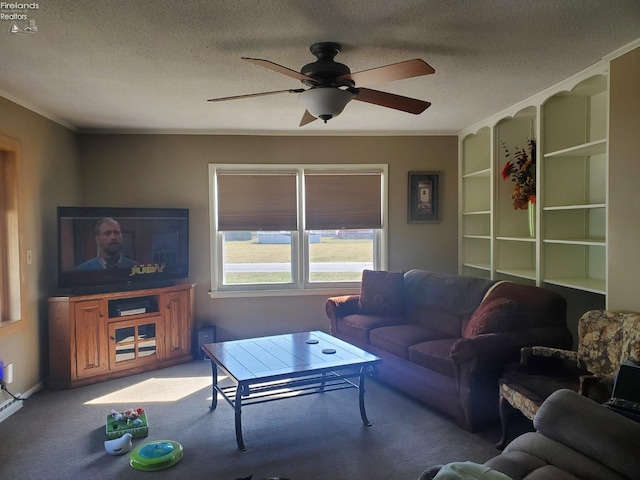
column 506, row 170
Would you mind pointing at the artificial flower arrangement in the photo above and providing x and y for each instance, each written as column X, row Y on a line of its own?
column 128, row 416
column 521, row 169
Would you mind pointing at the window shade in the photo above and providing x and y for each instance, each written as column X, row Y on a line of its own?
column 249, row 202
column 343, row 201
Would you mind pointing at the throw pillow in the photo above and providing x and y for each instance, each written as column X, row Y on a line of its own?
column 381, row 293
column 499, row 315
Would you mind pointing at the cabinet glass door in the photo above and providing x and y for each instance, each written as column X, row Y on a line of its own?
column 132, row 342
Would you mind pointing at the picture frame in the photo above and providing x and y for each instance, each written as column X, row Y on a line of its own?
column 424, row 197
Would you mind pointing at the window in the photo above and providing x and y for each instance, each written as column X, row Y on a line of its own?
column 287, row 228
column 9, row 250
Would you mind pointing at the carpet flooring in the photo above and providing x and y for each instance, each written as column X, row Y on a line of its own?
column 61, row 434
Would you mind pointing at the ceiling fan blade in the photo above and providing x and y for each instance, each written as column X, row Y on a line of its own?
column 280, row 69
column 390, row 100
column 389, row 73
column 307, row 118
column 236, row 97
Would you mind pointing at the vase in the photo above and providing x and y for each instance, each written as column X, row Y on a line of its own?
column 531, row 210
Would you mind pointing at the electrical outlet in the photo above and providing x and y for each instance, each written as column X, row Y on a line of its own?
column 29, row 257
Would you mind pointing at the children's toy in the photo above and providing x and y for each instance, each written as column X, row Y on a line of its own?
column 119, row 446
column 133, row 421
column 156, row 455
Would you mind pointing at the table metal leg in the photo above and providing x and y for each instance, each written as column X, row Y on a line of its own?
column 322, row 382
column 214, row 384
column 363, row 413
column 238, row 409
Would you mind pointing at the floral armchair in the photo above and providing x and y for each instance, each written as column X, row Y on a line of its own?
column 605, row 340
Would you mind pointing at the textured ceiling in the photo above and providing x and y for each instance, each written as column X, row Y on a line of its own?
column 150, row 65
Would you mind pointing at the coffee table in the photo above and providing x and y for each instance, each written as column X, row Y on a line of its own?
column 271, row 368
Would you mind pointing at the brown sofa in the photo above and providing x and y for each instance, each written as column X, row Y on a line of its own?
column 445, row 339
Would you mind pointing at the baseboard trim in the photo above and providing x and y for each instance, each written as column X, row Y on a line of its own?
column 9, row 407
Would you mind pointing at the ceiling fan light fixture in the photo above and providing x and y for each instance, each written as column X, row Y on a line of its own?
column 325, row 102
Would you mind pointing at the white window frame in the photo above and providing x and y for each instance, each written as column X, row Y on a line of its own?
column 299, row 239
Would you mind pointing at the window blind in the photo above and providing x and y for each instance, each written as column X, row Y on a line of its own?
column 343, row 200
column 252, row 201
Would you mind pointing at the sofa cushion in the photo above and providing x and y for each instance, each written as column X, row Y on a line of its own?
column 455, row 294
column 448, row 323
column 357, row 326
column 381, row 293
column 398, row 338
column 434, row 355
column 494, row 315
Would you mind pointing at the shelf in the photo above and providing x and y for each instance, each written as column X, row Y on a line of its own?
column 479, row 212
column 481, row 237
column 574, row 207
column 597, row 147
column 593, row 285
column 577, row 241
column 479, row 266
column 480, row 173
column 517, row 239
column 520, row 273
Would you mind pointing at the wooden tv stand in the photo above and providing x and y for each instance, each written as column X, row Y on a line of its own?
column 93, row 338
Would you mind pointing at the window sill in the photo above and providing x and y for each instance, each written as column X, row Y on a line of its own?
column 10, row 327
column 325, row 292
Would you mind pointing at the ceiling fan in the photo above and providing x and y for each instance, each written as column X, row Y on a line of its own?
column 332, row 85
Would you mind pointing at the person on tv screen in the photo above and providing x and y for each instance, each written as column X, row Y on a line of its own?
column 109, row 242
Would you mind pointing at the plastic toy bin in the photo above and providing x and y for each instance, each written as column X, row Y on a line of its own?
column 117, row 428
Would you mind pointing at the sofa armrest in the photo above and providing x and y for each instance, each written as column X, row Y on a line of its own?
column 527, row 354
column 337, row 307
column 596, row 387
column 506, row 346
column 592, row 429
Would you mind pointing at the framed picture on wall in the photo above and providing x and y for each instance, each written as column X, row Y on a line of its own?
column 424, row 194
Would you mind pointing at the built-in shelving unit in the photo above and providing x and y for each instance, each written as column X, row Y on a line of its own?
column 569, row 245
column 515, row 248
column 476, row 201
column 575, row 186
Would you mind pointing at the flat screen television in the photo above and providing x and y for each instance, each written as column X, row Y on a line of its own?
column 109, row 249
